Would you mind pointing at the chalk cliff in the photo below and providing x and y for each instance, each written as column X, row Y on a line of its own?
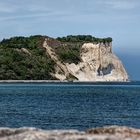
column 70, row 58
column 97, row 63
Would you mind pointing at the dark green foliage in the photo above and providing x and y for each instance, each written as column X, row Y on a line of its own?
column 22, row 42
column 18, row 65
column 69, row 56
column 83, row 38
column 68, row 53
column 109, row 39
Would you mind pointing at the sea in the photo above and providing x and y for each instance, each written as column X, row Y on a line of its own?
column 69, row 105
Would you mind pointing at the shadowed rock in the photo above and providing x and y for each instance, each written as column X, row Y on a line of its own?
column 98, row 63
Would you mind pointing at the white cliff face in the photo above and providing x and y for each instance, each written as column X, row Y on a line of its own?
column 98, row 63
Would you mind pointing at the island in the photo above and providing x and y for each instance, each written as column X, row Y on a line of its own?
column 70, row 58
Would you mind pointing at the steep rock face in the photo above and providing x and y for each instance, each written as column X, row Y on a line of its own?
column 98, row 63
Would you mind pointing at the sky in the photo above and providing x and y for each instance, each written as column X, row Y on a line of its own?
column 119, row 19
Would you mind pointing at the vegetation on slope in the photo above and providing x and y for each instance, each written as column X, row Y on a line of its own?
column 70, row 52
column 24, row 58
column 17, row 64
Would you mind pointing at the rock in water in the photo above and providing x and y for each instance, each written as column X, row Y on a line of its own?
column 104, row 133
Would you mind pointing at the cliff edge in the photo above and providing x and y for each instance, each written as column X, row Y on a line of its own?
column 71, row 58
column 97, row 62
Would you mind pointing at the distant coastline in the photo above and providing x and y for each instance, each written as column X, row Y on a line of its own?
column 65, row 81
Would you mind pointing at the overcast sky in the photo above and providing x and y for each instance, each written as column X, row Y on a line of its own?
column 119, row 19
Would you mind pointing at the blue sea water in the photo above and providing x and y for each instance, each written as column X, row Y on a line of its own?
column 69, row 105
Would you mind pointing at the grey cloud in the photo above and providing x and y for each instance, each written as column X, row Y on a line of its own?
column 7, row 8
column 120, row 4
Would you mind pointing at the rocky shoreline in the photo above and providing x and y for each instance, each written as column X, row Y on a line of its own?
column 103, row 133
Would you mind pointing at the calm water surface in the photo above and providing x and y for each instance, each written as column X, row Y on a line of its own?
column 69, row 106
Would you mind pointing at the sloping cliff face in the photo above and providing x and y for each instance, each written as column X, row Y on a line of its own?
column 97, row 63
column 70, row 58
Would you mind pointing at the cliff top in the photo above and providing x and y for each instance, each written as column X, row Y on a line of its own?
column 84, row 38
column 55, row 41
